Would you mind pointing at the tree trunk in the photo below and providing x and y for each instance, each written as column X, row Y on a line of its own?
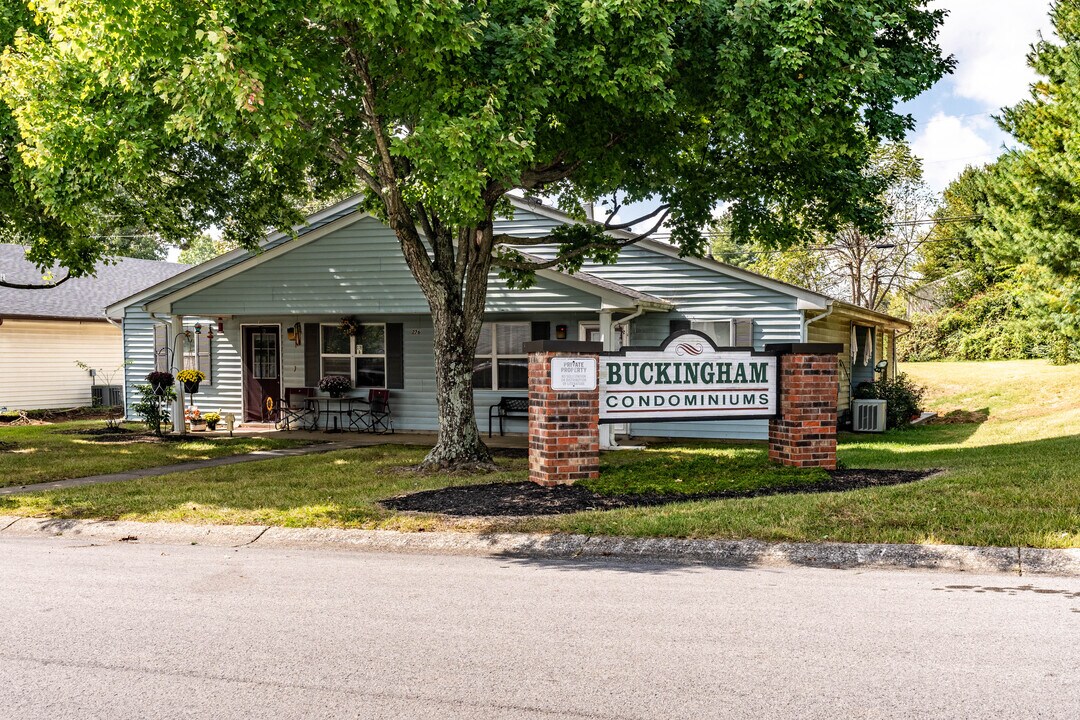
column 460, row 446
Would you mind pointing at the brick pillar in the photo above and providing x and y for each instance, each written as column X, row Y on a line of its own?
column 804, row 434
column 564, row 429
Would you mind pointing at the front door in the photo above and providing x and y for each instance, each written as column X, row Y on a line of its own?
column 262, row 372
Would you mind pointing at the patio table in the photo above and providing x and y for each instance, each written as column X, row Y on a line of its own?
column 323, row 411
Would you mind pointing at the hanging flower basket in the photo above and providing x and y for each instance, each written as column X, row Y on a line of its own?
column 350, row 326
column 191, row 380
column 160, row 382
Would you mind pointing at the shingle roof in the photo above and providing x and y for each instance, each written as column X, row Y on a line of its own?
column 78, row 298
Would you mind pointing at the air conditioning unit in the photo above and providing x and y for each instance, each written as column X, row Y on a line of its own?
column 106, row 395
column 868, row 415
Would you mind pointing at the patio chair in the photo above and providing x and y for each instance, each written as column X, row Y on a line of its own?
column 294, row 408
column 376, row 417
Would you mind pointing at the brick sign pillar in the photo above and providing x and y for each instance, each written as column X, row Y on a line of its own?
column 564, row 424
column 804, row 434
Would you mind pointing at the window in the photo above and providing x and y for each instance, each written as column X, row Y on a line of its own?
column 719, row 331
column 501, row 362
column 197, row 353
column 361, row 358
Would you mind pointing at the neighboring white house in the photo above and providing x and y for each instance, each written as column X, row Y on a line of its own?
column 44, row 332
column 271, row 320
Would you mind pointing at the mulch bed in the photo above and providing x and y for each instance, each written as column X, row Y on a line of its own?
column 97, row 431
column 145, row 438
column 526, row 498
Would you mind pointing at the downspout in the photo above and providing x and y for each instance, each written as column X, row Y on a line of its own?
column 120, row 327
column 622, row 321
column 808, row 321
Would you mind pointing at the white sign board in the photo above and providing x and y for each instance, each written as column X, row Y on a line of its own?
column 687, row 378
column 573, row 373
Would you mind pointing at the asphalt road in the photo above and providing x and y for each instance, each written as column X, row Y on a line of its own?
column 151, row 631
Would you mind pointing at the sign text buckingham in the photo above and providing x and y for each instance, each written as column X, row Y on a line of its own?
column 687, row 378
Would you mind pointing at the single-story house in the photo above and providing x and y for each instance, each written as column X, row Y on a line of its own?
column 270, row 321
column 44, row 332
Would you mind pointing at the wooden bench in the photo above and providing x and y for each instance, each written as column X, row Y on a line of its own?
column 508, row 407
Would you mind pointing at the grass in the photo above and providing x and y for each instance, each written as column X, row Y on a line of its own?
column 1013, row 480
column 337, row 489
column 43, row 453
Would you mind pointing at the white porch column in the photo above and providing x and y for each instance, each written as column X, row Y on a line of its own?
column 176, row 364
column 607, row 336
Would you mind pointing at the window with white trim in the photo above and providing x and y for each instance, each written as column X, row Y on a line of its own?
column 719, row 330
column 361, row 358
column 501, row 362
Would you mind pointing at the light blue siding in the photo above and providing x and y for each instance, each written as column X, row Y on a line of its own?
column 138, row 331
column 357, row 269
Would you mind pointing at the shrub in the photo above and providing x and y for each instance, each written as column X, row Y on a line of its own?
column 903, row 399
column 995, row 325
column 154, row 408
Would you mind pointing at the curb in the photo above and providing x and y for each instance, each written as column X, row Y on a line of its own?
column 718, row 553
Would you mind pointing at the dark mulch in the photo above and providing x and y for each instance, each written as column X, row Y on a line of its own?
column 526, row 498
column 96, row 431
column 138, row 437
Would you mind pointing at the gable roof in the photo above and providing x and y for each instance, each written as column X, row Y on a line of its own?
column 194, row 273
column 810, row 300
column 338, row 215
column 82, row 298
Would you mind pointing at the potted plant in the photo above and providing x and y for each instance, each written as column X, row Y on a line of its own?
column 160, row 381
column 191, row 379
column 350, row 326
column 212, row 419
column 195, row 419
column 336, row 385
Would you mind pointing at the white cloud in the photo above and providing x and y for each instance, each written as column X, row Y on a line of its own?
column 991, row 39
column 948, row 144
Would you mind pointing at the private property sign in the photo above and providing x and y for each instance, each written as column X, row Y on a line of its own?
column 687, row 378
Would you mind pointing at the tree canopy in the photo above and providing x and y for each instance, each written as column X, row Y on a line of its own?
column 1033, row 211
column 234, row 114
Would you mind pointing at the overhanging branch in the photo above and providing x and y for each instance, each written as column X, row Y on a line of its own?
column 34, row 286
column 508, row 263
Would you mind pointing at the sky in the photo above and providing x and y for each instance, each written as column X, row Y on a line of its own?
column 990, row 40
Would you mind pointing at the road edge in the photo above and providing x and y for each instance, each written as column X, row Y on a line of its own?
column 719, row 553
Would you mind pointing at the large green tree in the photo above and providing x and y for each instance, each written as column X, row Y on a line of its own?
column 1033, row 211
column 436, row 109
column 953, row 264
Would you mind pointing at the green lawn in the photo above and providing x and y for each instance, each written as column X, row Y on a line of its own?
column 42, row 453
column 1013, row 480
